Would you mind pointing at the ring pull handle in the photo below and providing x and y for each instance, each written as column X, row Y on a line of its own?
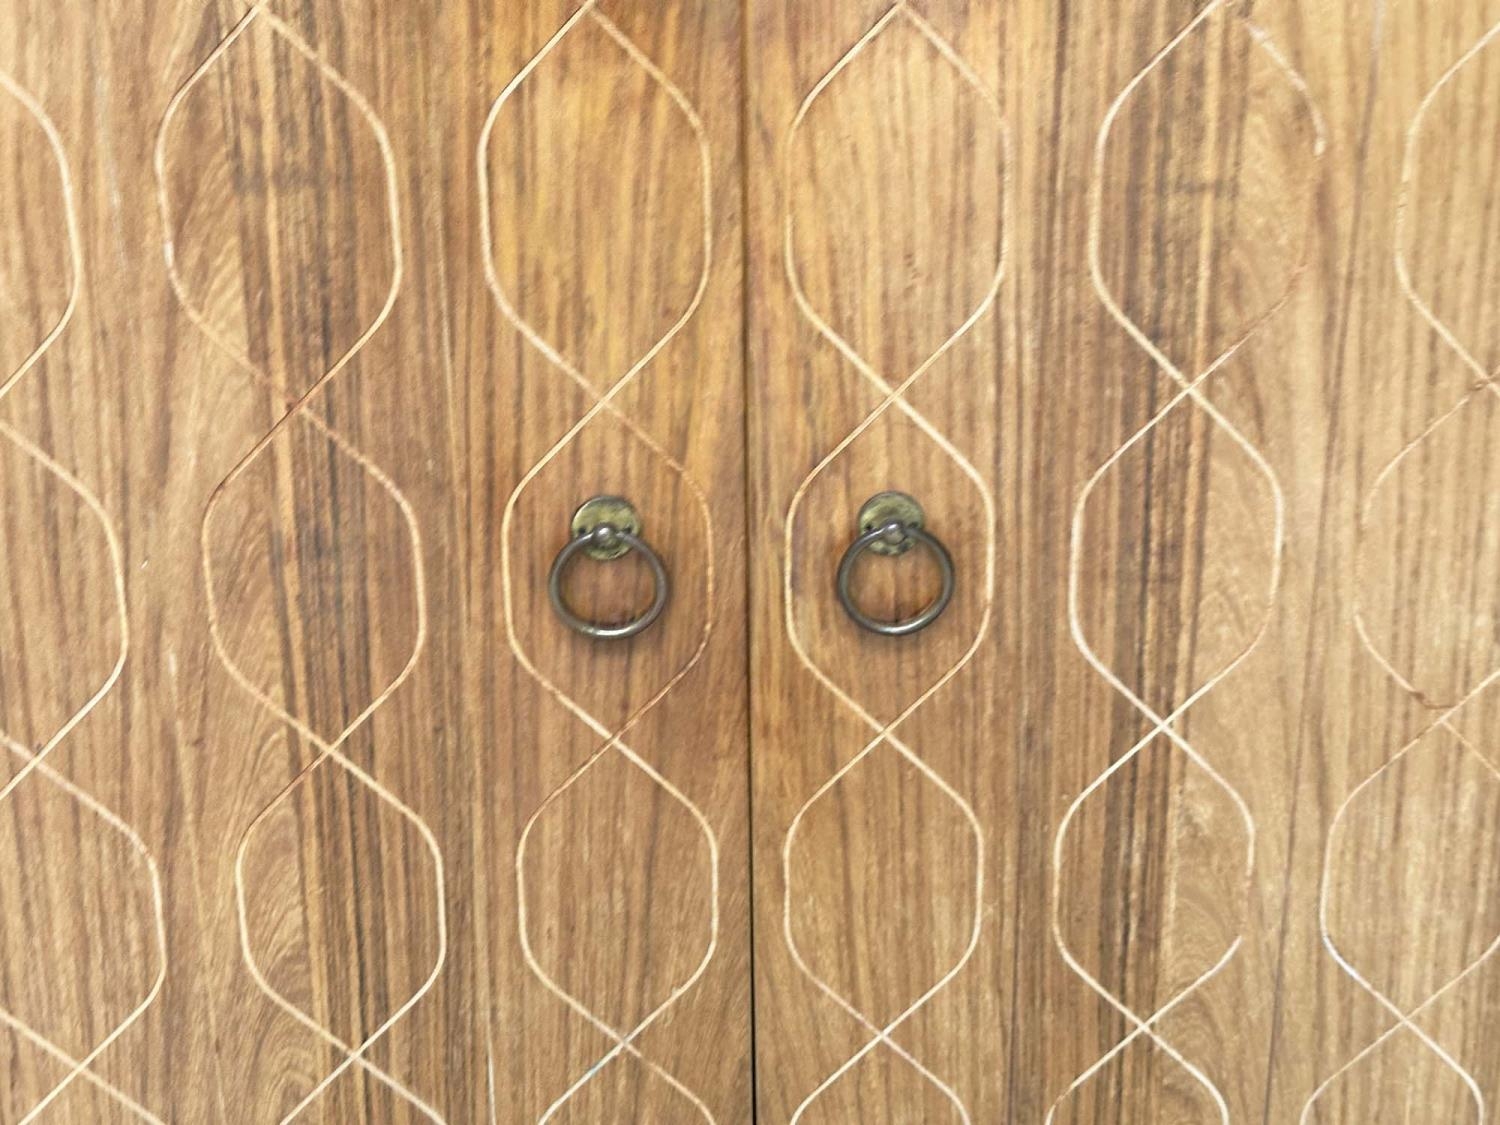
column 607, row 528
column 891, row 523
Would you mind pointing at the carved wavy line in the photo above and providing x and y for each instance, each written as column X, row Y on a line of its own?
column 1190, row 389
column 299, row 408
column 35, row 761
column 605, row 402
column 1406, row 1020
column 892, row 396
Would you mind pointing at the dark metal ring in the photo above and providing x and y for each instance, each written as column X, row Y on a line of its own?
column 605, row 536
column 895, row 531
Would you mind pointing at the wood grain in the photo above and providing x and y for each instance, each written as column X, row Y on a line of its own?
column 311, row 443
column 1207, row 735
column 1178, row 319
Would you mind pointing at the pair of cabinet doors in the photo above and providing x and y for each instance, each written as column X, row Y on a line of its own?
column 322, row 317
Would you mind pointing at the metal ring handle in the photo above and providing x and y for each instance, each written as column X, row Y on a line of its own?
column 605, row 537
column 892, row 532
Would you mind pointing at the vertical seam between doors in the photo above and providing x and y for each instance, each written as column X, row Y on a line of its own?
column 747, row 525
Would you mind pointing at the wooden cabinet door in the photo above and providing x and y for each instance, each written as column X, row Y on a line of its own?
column 1179, row 320
column 318, row 320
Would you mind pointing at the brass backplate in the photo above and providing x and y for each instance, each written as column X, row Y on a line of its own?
column 890, row 507
column 616, row 511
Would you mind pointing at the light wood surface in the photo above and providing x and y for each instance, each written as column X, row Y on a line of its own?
column 319, row 318
column 1193, row 833
column 340, row 755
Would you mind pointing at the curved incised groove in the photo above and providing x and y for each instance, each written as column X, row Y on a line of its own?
column 1209, row 350
column 604, row 389
column 892, row 388
column 32, row 753
column 329, row 746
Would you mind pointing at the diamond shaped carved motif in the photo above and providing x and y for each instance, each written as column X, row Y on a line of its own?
column 847, row 226
column 60, row 546
column 311, row 554
column 565, row 301
column 1240, row 200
